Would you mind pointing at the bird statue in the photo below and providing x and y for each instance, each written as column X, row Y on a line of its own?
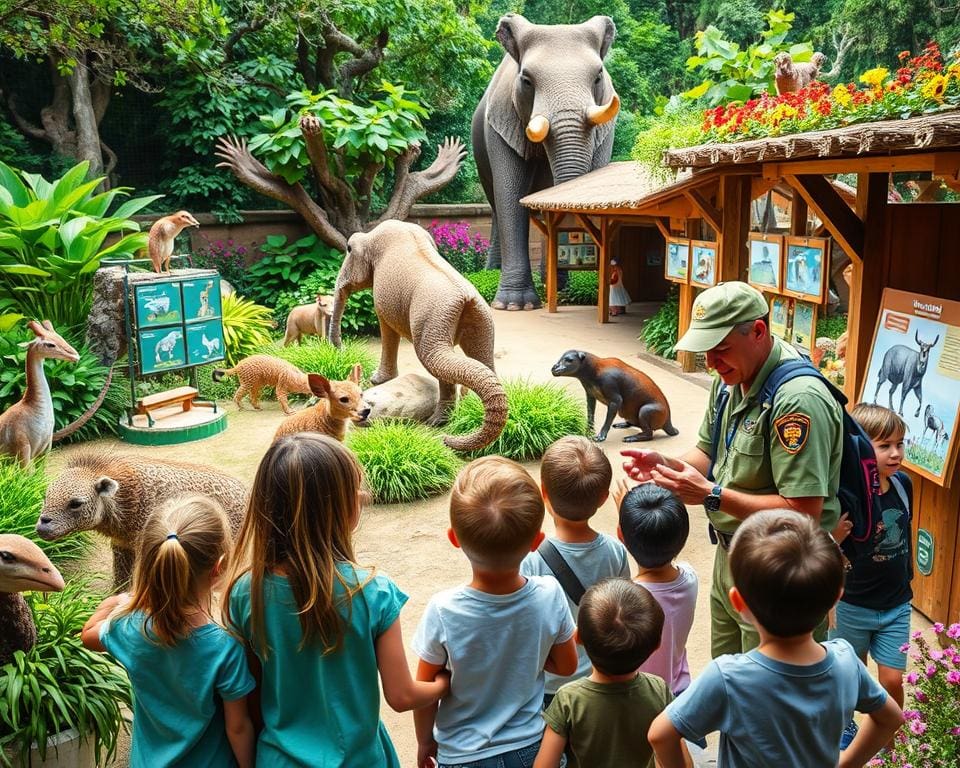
column 23, row 568
column 162, row 234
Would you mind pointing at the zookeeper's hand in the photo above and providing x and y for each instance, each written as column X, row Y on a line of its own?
column 641, row 463
column 621, row 489
column 686, row 482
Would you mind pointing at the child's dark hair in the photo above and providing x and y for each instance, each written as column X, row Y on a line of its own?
column 654, row 524
column 576, row 477
column 787, row 569
column 620, row 624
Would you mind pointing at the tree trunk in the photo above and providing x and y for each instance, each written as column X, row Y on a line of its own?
column 85, row 118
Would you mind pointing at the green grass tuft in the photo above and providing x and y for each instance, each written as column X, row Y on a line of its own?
column 539, row 414
column 316, row 356
column 21, row 499
column 403, row 461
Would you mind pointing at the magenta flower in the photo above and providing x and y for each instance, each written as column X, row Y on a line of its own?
column 931, row 670
column 954, row 632
column 912, row 678
column 918, row 727
column 953, row 677
column 938, row 628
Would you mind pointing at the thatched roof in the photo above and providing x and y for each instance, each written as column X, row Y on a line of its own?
column 924, row 133
column 616, row 186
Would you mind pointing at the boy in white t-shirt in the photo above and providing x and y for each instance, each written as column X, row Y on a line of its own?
column 654, row 527
column 495, row 635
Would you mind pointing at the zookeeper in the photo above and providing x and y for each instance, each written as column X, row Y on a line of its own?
column 782, row 457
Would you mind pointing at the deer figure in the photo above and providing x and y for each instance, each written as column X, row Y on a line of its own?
column 26, row 428
column 933, row 424
column 905, row 367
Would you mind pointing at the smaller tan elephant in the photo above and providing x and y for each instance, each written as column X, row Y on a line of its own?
column 418, row 296
column 259, row 371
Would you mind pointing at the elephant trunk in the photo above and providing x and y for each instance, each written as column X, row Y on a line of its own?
column 451, row 367
column 340, row 295
column 571, row 151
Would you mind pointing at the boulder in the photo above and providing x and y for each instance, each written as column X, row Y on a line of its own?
column 411, row 396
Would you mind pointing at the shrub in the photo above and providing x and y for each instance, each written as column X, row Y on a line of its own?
column 487, row 280
column 661, row 332
column 228, row 260
column 931, row 734
column 246, row 327
column 316, row 356
column 21, row 499
column 283, row 266
column 359, row 316
column 674, row 124
column 582, row 289
column 831, row 327
column 539, row 414
column 209, row 389
column 465, row 252
column 74, row 387
column 403, row 461
column 52, row 238
column 59, row 684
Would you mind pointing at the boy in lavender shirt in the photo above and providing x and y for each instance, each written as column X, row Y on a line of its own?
column 654, row 527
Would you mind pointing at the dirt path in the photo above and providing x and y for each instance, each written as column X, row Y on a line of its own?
column 408, row 541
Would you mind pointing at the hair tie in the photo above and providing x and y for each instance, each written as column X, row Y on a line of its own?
column 173, row 535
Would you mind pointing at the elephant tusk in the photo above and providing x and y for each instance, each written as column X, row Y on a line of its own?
column 538, row 128
column 598, row 115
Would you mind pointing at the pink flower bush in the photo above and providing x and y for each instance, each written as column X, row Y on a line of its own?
column 466, row 252
column 931, row 737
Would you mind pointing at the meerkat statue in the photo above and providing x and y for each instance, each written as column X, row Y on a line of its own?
column 790, row 77
column 162, row 234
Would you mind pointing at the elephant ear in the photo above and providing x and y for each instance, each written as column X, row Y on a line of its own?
column 501, row 112
column 510, row 31
column 605, row 31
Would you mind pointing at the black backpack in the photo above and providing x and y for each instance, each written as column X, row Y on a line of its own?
column 859, row 489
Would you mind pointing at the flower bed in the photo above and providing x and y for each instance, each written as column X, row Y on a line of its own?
column 921, row 85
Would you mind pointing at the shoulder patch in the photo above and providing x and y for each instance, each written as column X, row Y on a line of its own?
column 793, row 429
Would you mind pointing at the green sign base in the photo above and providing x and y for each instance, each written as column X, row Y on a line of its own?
column 172, row 435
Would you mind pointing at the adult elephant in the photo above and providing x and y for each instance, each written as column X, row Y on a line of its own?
column 546, row 117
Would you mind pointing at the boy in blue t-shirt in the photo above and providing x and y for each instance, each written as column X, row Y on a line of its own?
column 785, row 702
column 874, row 612
column 575, row 477
column 495, row 635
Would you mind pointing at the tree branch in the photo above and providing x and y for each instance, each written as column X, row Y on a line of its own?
column 304, row 67
column 111, row 159
column 312, row 129
column 410, row 188
column 363, row 63
column 25, row 126
column 241, row 29
column 100, row 92
column 365, row 187
column 252, row 173
column 841, row 44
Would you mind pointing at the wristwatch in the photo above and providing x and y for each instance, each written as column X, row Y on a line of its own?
column 711, row 502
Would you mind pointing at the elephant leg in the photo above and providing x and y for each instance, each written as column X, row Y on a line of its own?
column 482, row 160
column 513, row 179
column 448, row 395
column 389, row 344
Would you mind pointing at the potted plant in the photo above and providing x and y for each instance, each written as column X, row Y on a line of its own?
column 61, row 704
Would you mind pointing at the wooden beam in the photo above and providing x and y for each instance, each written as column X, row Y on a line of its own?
column 868, row 279
column 588, row 225
column 535, row 220
column 759, row 186
column 553, row 220
column 603, row 269
column 735, row 224
column 663, row 225
column 926, row 161
column 843, row 224
column 706, row 209
column 798, row 216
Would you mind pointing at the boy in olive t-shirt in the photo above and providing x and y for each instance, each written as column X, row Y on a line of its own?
column 601, row 721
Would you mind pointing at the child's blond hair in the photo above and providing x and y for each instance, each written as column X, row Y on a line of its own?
column 496, row 510
column 576, row 477
column 878, row 422
column 179, row 548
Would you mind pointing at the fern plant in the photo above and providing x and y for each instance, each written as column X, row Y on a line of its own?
column 661, row 332
column 246, row 327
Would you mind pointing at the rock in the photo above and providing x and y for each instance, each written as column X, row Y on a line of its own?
column 411, row 396
column 226, row 289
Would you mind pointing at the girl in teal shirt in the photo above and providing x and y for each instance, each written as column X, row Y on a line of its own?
column 190, row 677
column 319, row 626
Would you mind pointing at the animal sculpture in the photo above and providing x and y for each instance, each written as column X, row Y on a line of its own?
column 338, row 403
column 23, row 568
column 547, row 116
column 167, row 345
column 905, row 367
column 26, row 427
column 212, row 345
column 791, row 76
column 309, row 320
column 162, row 234
column 259, row 371
column 418, row 296
column 113, row 494
column 623, row 389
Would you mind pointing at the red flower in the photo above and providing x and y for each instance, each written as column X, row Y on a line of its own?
column 903, row 55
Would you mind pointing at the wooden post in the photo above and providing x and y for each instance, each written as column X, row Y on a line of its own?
column 868, row 279
column 798, row 215
column 551, row 257
column 687, row 360
column 734, row 199
column 603, row 270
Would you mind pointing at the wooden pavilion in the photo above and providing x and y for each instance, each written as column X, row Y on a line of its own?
column 911, row 246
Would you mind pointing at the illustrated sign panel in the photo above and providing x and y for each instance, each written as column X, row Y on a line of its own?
column 703, row 259
column 766, row 257
column 162, row 349
column 805, row 271
column 201, row 299
column 575, row 248
column 157, row 304
column 914, row 369
column 678, row 257
column 780, row 311
column 205, row 342
column 804, row 325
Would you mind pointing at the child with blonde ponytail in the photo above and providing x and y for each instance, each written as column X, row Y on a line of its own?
column 320, row 626
column 189, row 676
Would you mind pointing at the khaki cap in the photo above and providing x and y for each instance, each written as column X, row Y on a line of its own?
column 717, row 310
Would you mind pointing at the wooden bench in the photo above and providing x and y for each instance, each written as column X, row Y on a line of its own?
column 181, row 395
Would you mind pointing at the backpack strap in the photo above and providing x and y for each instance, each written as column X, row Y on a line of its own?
column 789, row 370
column 562, row 571
column 901, row 492
column 897, row 481
column 722, row 397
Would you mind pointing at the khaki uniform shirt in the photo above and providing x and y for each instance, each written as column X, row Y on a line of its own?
column 792, row 448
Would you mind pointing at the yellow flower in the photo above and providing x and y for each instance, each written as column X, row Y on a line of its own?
column 875, row 77
column 954, row 71
column 842, row 96
column 934, row 88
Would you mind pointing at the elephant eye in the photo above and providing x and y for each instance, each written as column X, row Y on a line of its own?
column 349, row 247
column 525, row 80
column 598, row 78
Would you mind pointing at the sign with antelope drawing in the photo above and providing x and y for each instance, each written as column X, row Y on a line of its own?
column 914, row 369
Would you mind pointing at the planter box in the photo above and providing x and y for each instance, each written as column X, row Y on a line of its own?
column 65, row 750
